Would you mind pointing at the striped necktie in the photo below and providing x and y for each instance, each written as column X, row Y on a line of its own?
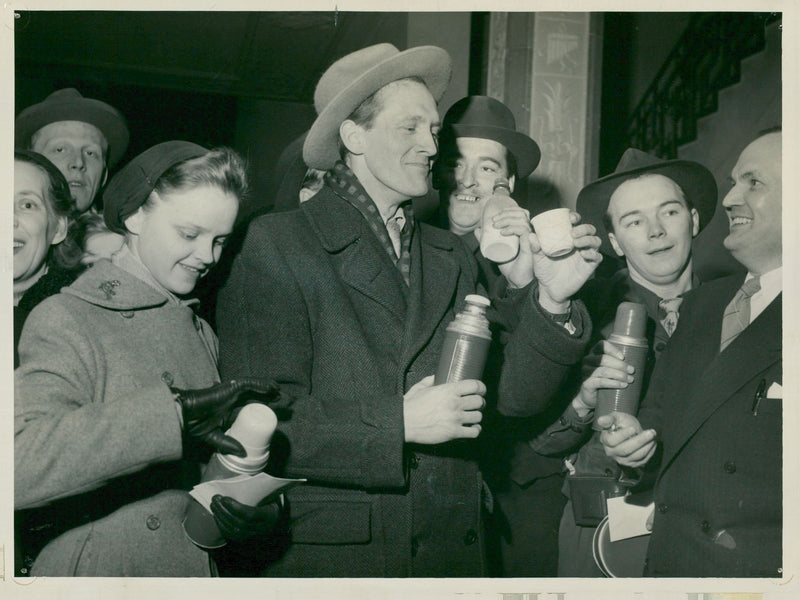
column 737, row 313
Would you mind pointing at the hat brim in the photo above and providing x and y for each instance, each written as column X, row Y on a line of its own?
column 87, row 110
column 526, row 151
column 697, row 183
column 430, row 63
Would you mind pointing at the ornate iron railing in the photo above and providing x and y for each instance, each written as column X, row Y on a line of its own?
column 706, row 59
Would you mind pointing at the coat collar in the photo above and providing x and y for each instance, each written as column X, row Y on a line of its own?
column 109, row 286
column 363, row 265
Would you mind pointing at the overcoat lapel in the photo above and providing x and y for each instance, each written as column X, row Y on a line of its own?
column 357, row 255
column 757, row 347
column 433, row 283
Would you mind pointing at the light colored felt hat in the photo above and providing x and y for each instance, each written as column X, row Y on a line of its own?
column 352, row 79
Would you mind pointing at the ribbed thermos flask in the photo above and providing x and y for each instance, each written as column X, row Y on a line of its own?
column 466, row 343
column 628, row 336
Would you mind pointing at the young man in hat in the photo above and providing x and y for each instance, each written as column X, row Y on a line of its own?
column 479, row 144
column 83, row 137
column 647, row 212
column 715, row 401
column 345, row 303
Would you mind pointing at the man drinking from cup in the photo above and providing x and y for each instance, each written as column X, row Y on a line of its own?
column 481, row 152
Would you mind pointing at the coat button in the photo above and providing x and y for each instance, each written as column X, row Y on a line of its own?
column 608, row 473
column 126, row 314
column 153, row 522
column 167, row 378
column 663, row 508
column 705, row 526
column 414, row 546
column 562, row 420
column 660, row 346
column 730, row 467
column 413, row 461
column 470, row 537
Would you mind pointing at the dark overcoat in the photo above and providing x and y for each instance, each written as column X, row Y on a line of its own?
column 315, row 302
column 718, row 493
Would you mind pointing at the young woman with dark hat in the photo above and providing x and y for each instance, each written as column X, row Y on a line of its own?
column 118, row 380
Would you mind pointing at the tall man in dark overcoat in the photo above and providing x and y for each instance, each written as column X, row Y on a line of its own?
column 715, row 401
column 345, row 301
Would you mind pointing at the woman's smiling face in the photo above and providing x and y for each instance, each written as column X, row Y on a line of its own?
column 180, row 234
column 35, row 227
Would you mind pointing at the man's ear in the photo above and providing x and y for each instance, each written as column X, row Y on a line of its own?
column 695, row 222
column 61, row 231
column 352, row 136
column 511, row 181
column 133, row 223
column 614, row 244
column 105, row 177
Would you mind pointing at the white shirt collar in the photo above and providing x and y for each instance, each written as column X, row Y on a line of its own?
column 771, row 285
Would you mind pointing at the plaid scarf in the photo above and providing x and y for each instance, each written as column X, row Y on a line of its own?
column 344, row 182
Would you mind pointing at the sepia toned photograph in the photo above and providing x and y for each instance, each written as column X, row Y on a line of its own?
column 451, row 303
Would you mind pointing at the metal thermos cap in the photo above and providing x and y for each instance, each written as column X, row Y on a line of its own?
column 631, row 320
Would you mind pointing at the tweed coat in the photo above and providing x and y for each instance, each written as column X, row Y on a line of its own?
column 315, row 302
column 718, row 492
column 97, row 430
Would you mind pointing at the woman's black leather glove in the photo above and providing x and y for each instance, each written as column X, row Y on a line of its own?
column 207, row 411
column 239, row 522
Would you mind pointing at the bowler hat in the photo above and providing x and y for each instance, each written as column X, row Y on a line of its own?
column 697, row 182
column 69, row 105
column 486, row 118
column 354, row 78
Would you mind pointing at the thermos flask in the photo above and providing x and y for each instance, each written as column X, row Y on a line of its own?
column 466, row 343
column 628, row 336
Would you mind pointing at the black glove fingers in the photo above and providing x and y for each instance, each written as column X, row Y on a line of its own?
column 224, row 443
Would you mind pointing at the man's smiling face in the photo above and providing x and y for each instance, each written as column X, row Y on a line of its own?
column 753, row 205
column 469, row 172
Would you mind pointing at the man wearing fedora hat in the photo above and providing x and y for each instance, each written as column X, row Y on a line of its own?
column 648, row 212
column 83, row 137
column 345, row 302
column 479, row 143
column 714, row 403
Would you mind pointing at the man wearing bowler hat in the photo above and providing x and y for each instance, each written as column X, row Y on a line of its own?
column 83, row 137
column 479, row 144
column 647, row 212
column 714, row 404
column 345, row 302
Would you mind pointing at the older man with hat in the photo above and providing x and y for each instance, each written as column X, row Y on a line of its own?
column 83, row 137
column 647, row 212
column 714, row 404
column 345, row 302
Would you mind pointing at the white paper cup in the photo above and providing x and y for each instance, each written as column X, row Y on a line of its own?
column 554, row 230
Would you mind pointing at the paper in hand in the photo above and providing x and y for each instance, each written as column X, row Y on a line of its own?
column 247, row 489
